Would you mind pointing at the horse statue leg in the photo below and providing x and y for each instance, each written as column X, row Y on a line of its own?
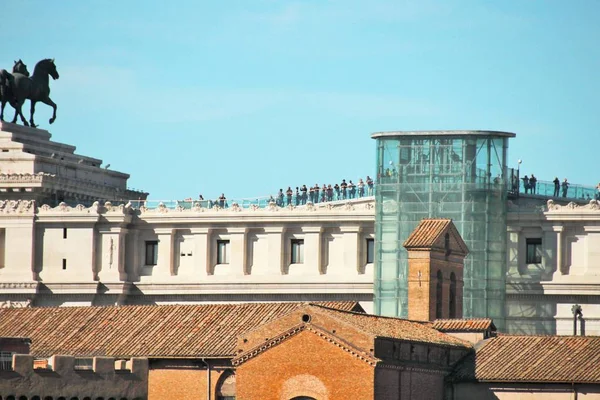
column 17, row 106
column 52, row 104
column 2, row 109
column 32, row 111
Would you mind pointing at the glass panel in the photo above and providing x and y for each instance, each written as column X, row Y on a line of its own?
column 459, row 177
column 370, row 251
column 297, row 251
column 222, row 251
column 151, row 253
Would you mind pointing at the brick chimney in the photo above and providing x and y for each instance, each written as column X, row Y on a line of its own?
column 436, row 254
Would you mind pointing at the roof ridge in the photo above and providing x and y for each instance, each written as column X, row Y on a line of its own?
column 422, row 323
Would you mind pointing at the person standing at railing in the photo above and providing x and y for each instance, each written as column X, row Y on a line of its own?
column 344, row 187
column 565, row 188
column 289, row 194
column 526, row 183
column 532, row 183
column 597, row 195
column 361, row 188
column 336, row 187
column 304, row 189
column 329, row 193
column 369, row 186
column 352, row 187
column 222, row 200
column 315, row 190
column 297, row 196
column 556, row 186
column 280, row 198
column 324, row 193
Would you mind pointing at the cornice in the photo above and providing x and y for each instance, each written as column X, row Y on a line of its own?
column 254, row 352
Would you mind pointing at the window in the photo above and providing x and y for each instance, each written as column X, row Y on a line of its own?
column 152, row 252
column 297, row 251
column 438, row 295
column 222, row 251
column 370, row 251
column 5, row 360
column 225, row 389
column 64, row 263
column 452, row 302
column 447, row 244
column 64, row 233
column 534, row 251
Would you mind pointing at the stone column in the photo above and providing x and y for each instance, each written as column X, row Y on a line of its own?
column 313, row 249
column 512, row 248
column 238, row 240
column 559, row 252
column 202, row 248
column 277, row 263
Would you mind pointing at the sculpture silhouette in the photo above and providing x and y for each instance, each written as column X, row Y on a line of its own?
column 7, row 82
column 35, row 88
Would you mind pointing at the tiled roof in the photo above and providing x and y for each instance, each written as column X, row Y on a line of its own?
column 207, row 330
column 508, row 358
column 427, row 232
column 464, row 325
column 396, row 328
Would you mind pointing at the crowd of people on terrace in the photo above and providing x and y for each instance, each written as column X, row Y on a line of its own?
column 561, row 189
column 326, row 192
column 303, row 194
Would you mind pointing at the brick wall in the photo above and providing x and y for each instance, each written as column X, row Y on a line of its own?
column 181, row 383
column 305, row 365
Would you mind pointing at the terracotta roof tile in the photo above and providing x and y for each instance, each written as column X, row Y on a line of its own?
column 464, row 325
column 427, row 232
column 556, row 359
column 396, row 328
column 207, row 330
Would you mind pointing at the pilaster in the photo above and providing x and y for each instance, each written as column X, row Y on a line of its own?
column 239, row 250
column 165, row 263
column 276, row 264
column 512, row 248
column 202, row 247
column 313, row 249
column 352, row 255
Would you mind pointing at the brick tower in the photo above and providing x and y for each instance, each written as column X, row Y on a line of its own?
column 436, row 254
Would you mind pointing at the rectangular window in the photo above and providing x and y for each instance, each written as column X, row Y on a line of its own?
column 297, row 251
column 152, row 252
column 64, row 263
column 5, row 360
column 534, row 251
column 64, row 233
column 222, row 251
column 370, row 251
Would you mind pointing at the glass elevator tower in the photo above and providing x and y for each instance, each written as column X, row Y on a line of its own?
column 446, row 174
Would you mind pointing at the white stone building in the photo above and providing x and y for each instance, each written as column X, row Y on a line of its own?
column 119, row 254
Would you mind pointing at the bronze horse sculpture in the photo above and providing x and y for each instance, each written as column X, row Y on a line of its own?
column 35, row 88
column 7, row 82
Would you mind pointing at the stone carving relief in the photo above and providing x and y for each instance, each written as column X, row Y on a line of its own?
column 272, row 206
column 15, row 304
column 593, row 205
column 348, row 207
column 16, row 206
column 235, row 207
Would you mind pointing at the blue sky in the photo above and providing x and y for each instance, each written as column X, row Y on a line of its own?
column 244, row 97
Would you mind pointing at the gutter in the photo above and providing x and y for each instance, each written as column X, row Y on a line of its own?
column 207, row 378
